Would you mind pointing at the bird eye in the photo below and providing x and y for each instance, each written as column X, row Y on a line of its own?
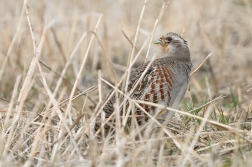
column 169, row 39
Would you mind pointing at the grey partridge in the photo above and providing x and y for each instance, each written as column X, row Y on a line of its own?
column 165, row 82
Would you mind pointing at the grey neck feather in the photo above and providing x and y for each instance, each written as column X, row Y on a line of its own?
column 182, row 52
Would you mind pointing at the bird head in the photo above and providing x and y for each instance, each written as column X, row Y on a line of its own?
column 171, row 41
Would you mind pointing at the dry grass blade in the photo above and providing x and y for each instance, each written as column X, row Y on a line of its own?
column 194, row 141
column 66, row 80
column 208, row 56
column 81, row 68
column 13, row 40
column 107, row 57
column 131, row 43
column 236, row 131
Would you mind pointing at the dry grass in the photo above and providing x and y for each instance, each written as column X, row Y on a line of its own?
column 58, row 58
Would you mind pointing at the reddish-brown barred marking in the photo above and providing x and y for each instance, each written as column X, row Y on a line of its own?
column 161, row 79
column 169, row 78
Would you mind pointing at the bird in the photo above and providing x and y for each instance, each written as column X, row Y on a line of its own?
column 165, row 81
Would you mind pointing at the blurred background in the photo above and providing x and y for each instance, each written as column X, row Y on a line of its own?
column 221, row 27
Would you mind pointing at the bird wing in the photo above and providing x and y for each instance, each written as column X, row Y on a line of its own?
column 155, row 86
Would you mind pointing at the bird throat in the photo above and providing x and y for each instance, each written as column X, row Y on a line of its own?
column 165, row 48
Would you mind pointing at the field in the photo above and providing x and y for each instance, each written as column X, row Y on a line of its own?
column 60, row 59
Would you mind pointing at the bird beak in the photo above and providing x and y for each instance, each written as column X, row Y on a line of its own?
column 158, row 41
